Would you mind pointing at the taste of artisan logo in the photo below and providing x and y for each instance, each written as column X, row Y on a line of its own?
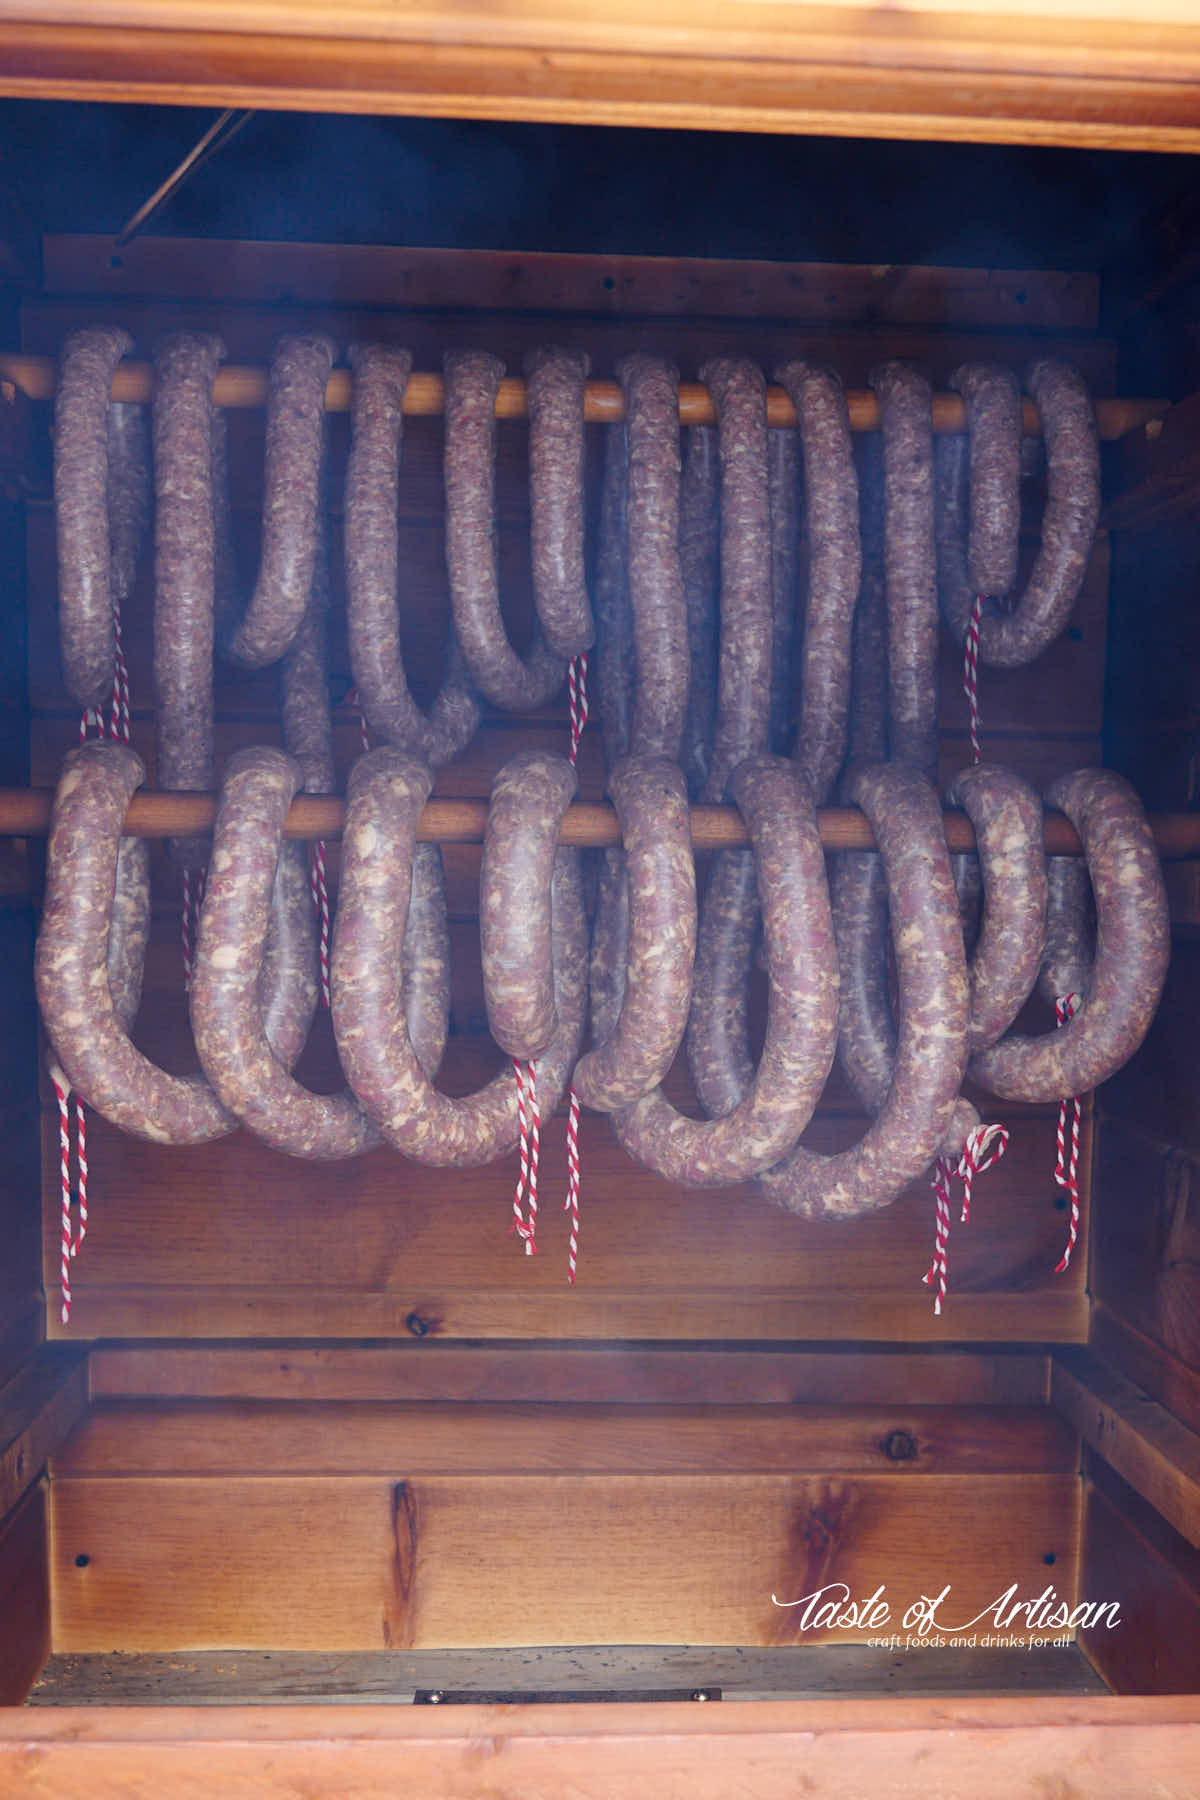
column 833, row 1608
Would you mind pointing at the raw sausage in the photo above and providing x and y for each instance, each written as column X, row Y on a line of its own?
column 72, row 965
column 614, row 617
column 100, row 507
column 834, row 570
column 699, row 549
column 739, row 394
column 932, row 1049
column 296, row 385
column 386, row 794
column 783, row 509
column 518, row 684
column 632, row 1057
column 906, row 425
column 992, row 397
column 372, row 573
column 1132, row 950
column 1019, row 629
column 246, row 863
column 802, row 1005
column 1070, row 952
column 659, row 611
column 304, row 683
column 554, row 385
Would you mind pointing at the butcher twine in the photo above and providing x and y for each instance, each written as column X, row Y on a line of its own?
column 118, row 729
column 316, row 871
column 984, row 1146
column 1066, row 1171
column 577, row 696
column 971, row 675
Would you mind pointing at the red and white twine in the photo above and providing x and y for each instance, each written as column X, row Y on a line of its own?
column 1066, row 1169
column 984, row 1146
column 193, row 900
column 320, row 894
column 971, row 675
column 577, row 698
column 529, row 1149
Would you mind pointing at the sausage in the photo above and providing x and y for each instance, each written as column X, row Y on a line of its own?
column 1069, row 957
column 932, row 1048
column 866, row 732
column 386, row 794
column 783, row 508
column 185, row 365
column 992, row 398
column 87, row 540
column 634, row 1054
column 718, row 1036
column 614, row 616
column 866, row 1026
column 259, row 787
column 129, row 930
column 514, row 937
column 304, row 683
column 906, row 426
column 662, row 658
column 518, row 684
column 372, row 574
column 609, row 950
column 802, row 1006
column 554, row 384
column 72, row 964
column 1014, row 630
column 129, row 492
column 425, row 962
column 739, row 394
column 1132, row 951
column 699, row 549
column 1007, row 816
column 834, row 569
column 296, row 385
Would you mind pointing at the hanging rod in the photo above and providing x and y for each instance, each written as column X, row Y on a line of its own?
column 604, row 403
column 25, row 812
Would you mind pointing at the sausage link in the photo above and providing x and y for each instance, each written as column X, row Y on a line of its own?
column 296, row 385
column 699, row 550
column 1014, row 630
column 555, row 381
column 71, row 964
column 739, row 393
column 662, row 657
column 650, row 797
column 1069, row 957
column 129, row 930
column 372, row 573
column 802, row 1006
column 425, row 963
column 386, row 794
column 866, row 1026
column 718, row 1034
column 609, row 952
column 518, row 684
column 614, row 615
column 1133, row 943
column 259, row 787
column 992, row 398
column 514, row 938
column 185, row 366
column 906, row 426
column 783, row 510
column 1007, row 816
column 866, row 736
column 87, row 530
column 932, row 1049
column 304, row 683
column 834, row 569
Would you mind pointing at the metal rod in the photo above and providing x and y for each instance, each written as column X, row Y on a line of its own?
column 25, row 812
column 221, row 132
column 237, row 386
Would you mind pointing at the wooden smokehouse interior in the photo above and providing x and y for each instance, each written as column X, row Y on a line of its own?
column 320, row 1431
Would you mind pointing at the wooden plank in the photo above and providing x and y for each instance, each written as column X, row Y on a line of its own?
column 1157, row 474
column 506, row 281
column 1096, row 75
column 1162, row 1375
column 986, row 1749
column 346, row 1437
column 39, row 1409
column 1157, row 1455
column 24, row 1599
column 1156, row 1093
column 424, row 1369
column 363, row 1562
column 1146, row 1233
column 1155, row 1649
column 346, row 1678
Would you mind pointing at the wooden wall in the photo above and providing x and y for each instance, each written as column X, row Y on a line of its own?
column 232, row 1240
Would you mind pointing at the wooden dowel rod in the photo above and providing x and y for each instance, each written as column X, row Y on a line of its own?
column 25, row 812
column 423, row 397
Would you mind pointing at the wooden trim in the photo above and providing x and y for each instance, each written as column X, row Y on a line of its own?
column 38, row 1410
column 408, row 279
column 1156, row 1454
column 984, row 1749
column 24, row 1605
column 1164, row 1377
column 640, row 1374
column 1101, row 73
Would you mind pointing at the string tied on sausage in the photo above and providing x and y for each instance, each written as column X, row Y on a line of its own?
column 528, row 1150
column 971, row 675
column 577, row 698
column 1066, row 1168
column 193, row 900
column 320, row 894
column 982, row 1149
column 69, row 1240
column 936, row 1272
